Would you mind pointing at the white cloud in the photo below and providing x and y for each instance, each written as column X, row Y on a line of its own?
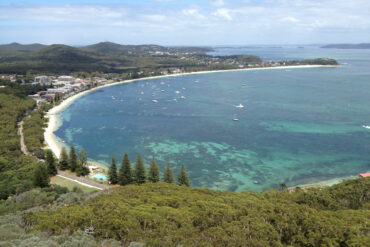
column 331, row 18
column 223, row 13
column 218, row 3
column 193, row 12
column 289, row 19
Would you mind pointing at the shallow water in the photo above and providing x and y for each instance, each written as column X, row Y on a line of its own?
column 298, row 126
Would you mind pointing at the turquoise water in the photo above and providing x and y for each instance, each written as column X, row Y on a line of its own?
column 100, row 176
column 298, row 126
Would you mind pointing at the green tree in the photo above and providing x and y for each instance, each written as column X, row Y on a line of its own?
column 113, row 177
column 283, row 187
column 82, row 169
column 63, row 160
column 50, row 163
column 41, row 177
column 153, row 175
column 73, row 160
column 183, row 178
column 125, row 173
column 140, row 176
column 168, row 173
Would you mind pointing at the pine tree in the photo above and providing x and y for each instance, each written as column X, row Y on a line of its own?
column 168, row 173
column 140, row 176
column 125, row 173
column 50, row 163
column 82, row 169
column 41, row 177
column 63, row 160
column 73, row 161
column 153, row 175
column 183, row 178
column 113, row 177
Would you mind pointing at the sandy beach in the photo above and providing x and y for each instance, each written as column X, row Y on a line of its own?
column 56, row 146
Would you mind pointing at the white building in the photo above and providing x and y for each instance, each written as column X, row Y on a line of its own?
column 66, row 79
column 43, row 80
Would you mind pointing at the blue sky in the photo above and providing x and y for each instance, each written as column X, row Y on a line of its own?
column 180, row 22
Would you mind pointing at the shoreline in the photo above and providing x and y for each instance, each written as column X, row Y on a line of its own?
column 55, row 146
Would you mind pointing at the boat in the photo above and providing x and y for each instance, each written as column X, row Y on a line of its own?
column 177, row 92
column 175, row 100
column 366, row 126
column 183, row 97
column 162, row 82
column 155, row 101
column 255, row 182
column 239, row 106
column 142, row 92
column 183, row 88
column 235, row 118
column 162, row 90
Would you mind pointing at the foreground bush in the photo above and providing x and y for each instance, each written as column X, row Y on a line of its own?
column 169, row 215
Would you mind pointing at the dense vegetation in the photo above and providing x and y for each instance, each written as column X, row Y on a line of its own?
column 33, row 130
column 162, row 214
column 15, row 169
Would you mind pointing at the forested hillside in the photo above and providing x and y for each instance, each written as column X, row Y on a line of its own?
column 170, row 215
column 16, row 170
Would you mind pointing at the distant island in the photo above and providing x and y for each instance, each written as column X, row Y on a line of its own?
column 348, row 46
column 129, row 61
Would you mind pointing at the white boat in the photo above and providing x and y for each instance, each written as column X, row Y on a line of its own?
column 177, row 92
column 183, row 97
column 142, row 92
column 162, row 90
column 183, row 88
column 155, row 101
column 235, row 118
column 175, row 100
column 366, row 126
column 239, row 106
column 162, row 82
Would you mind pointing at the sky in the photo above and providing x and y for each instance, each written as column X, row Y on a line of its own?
column 185, row 22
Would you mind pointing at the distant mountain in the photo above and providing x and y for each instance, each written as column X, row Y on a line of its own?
column 134, row 50
column 117, row 49
column 64, row 53
column 16, row 47
column 348, row 46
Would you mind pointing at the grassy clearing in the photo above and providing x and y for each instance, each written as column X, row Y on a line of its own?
column 70, row 184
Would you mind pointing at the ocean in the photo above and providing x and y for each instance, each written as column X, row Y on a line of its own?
column 297, row 126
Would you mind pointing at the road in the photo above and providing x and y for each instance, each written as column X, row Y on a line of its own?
column 82, row 181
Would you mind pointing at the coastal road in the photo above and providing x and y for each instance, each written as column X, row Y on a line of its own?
column 22, row 143
column 82, row 181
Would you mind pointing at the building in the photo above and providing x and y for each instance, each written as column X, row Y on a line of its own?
column 365, row 175
column 42, row 80
column 66, row 79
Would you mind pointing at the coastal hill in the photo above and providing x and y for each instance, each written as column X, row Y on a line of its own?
column 162, row 214
column 16, row 47
column 134, row 50
column 348, row 46
column 109, row 57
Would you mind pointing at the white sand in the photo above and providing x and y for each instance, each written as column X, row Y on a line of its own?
column 55, row 145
